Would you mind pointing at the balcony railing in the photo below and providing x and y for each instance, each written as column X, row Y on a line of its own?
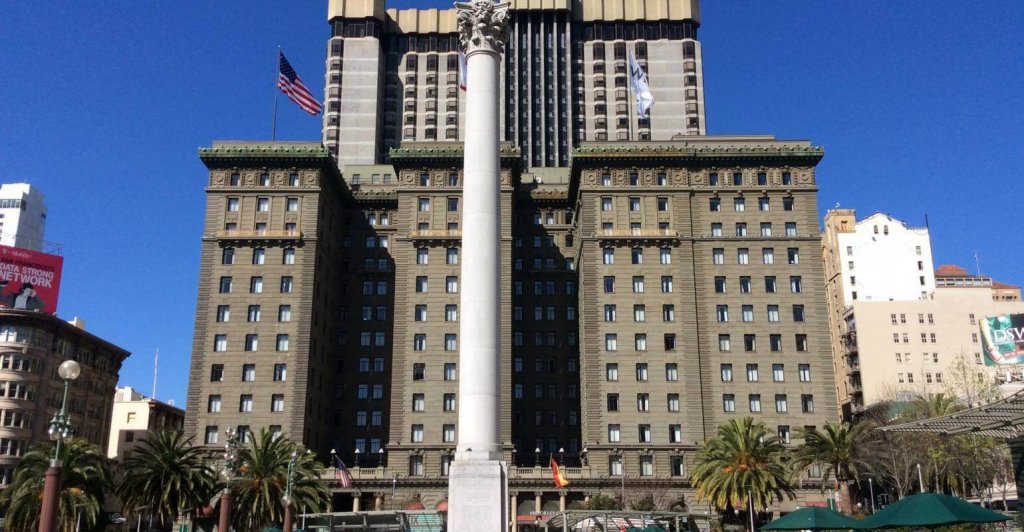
column 637, row 233
column 264, row 234
column 436, row 233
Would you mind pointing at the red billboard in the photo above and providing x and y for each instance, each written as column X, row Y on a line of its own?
column 29, row 280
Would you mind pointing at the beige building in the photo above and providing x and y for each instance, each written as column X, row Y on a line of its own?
column 134, row 417
column 899, row 325
column 654, row 291
column 392, row 77
column 32, row 345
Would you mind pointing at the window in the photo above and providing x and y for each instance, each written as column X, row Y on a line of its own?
column 671, row 372
column 451, row 256
column 790, row 228
column 793, row 255
column 744, row 285
column 795, row 284
column 807, row 403
column 643, row 402
column 787, row 204
column 227, row 256
column 724, row 343
column 638, row 284
column 766, row 229
column 641, row 372
column 453, row 204
column 775, row 342
column 644, row 433
column 741, row 229
column 418, row 402
column 256, row 285
column 223, row 313
column 668, row 313
column 639, row 313
column 798, row 313
column 423, row 205
column 213, row 404
column 634, row 204
column 421, row 284
column 726, row 371
column 781, row 404
column 277, row 403
column 252, row 342
column 611, row 342
column 719, row 285
column 262, row 204
column 773, row 313
column 420, row 313
column 606, row 204
column 768, row 255
column 752, row 373
column 636, row 256
column 422, row 256
column 450, row 342
column 280, row 372
column 217, row 373
column 673, row 402
column 722, row 313
column 292, row 205
column 448, row 433
column 614, row 435
column 748, row 313
column 715, row 205
column 742, row 256
column 288, row 256
column 286, row 284
column 778, row 373
column 225, row 285
column 233, row 204
column 718, row 256
column 662, row 204
column 801, row 342
column 451, row 284
column 417, row 434
column 665, row 255
column 245, row 403
column 770, row 285
column 755, row 402
column 253, row 314
column 729, row 402
column 666, row 284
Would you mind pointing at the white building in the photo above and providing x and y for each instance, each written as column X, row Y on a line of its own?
column 22, row 216
column 134, row 417
column 879, row 258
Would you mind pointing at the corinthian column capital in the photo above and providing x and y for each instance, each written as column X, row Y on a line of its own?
column 483, row 26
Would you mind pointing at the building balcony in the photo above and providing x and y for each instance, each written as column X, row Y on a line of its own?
column 435, row 234
column 637, row 234
column 259, row 235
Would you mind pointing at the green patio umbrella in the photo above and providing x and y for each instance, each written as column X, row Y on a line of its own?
column 930, row 510
column 813, row 518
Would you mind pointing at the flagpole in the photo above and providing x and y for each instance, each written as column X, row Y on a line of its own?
column 273, row 124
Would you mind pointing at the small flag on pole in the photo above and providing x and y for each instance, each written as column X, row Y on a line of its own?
column 638, row 79
column 342, row 474
column 560, row 480
column 293, row 87
column 462, row 70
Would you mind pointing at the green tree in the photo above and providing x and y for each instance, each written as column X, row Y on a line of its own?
column 839, row 447
column 263, row 477
column 166, row 476
column 742, row 463
column 84, row 483
column 603, row 502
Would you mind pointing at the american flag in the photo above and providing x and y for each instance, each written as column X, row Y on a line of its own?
column 290, row 84
column 342, row 474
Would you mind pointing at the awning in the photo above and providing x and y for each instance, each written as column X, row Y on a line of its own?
column 1000, row 419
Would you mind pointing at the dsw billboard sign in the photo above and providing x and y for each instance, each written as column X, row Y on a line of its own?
column 1003, row 339
column 29, row 280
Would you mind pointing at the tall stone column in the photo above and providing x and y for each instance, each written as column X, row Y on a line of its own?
column 477, row 486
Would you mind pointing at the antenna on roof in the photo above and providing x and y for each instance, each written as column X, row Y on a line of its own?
column 156, row 366
column 977, row 263
column 926, row 221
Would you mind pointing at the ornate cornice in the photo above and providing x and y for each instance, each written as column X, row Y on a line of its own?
column 264, row 154
column 685, row 154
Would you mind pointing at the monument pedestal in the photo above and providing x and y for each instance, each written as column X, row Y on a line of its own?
column 478, row 496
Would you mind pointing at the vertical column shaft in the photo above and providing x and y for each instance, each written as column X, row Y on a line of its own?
column 479, row 380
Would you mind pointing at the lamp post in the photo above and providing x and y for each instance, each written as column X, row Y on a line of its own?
column 871, row 489
column 561, row 455
column 920, row 480
column 288, row 500
column 358, row 452
column 60, row 431
column 380, row 457
column 227, row 474
column 536, row 453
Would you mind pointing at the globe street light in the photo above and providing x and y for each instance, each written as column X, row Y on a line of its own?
column 287, row 499
column 60, row 431
column 227, row 473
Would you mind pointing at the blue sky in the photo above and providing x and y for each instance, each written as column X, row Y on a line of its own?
column 104, row 104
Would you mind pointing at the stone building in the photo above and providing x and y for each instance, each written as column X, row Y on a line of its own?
column 32, row 346
column 654, row 291
column 135, row 417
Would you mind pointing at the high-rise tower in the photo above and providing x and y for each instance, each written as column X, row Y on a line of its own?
column 392, row 76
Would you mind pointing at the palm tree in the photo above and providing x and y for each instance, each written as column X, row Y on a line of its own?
column 839, row 447
column 933, row 405
column 262, row 479
column 742, row 463
column 85, row 480
column 166, row 475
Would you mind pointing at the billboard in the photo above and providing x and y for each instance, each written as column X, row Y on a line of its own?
column 29, row 280
column 1002, row 337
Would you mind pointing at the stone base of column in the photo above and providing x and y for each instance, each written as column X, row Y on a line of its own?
column 477, row 496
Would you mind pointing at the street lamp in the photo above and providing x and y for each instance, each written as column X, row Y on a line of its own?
column 561, row 457
column 357, row 456
column 536, row 453
column 287, row 499
column 60, row 431
column 380, row 457
column 227, row 473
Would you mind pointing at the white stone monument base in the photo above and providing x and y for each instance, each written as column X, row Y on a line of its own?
column 477, row 496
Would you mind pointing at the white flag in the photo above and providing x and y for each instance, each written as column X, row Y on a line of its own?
column 462, row 70
column 638, row 79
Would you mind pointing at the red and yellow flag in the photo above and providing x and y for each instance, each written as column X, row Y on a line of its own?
column 560, row 480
